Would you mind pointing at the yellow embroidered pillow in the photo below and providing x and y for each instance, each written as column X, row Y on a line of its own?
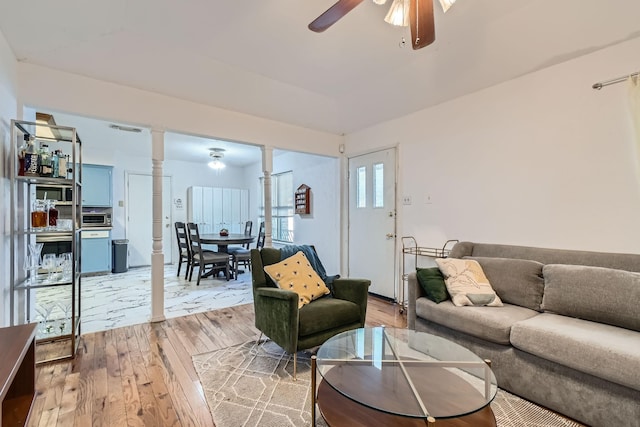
column 296, row 274
column 467, row 283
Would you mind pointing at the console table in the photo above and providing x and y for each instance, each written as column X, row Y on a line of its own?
column 17, row 374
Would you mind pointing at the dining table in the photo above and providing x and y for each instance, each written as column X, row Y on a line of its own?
column 223, row 242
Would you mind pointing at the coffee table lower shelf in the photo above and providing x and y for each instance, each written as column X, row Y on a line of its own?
column 338, row 410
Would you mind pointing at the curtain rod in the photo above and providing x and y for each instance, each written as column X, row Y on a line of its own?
column 600, row 85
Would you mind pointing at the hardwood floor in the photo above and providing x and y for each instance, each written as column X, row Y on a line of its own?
column 142, row 375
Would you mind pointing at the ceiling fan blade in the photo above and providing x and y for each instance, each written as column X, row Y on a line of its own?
column 333, row 14
column 423, row 31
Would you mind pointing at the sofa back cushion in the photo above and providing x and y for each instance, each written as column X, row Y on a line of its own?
column 629, row 262
column 516, row 281
column 598, row 294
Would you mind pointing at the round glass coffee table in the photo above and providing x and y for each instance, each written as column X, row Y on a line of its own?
column 385, row 376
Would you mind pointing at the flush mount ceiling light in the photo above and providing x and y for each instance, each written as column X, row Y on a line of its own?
column 216, row 154
column 417, row 14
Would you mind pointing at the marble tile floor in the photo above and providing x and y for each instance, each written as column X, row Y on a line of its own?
column 123, row 299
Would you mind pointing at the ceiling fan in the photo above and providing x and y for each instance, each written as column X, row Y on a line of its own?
column 418, row 14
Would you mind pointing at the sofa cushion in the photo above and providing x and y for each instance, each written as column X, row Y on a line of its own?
column 296, row 274
column 314, row 319
column 467, row 283
column 492, row 324
column 604, row 351
column 432, row 281
column 593, row 293
column 516, row 281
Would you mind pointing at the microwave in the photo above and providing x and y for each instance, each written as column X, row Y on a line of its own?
column 96, row 219
column 62, row 194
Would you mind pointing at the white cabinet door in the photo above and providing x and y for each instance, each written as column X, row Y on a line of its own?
column 217, row 209
column 237, row 226
column 207, row 226
column 194, row 204
column 244, row 207
column 227, row 217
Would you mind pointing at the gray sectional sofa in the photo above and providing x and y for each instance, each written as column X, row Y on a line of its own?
column 568, row 335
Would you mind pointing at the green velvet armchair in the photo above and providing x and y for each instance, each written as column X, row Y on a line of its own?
column 278, row 317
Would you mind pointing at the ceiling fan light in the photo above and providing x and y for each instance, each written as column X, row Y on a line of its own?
column 216, row 155
column 216, row 164
column 398, row 13
column 379, row 1
column 446, row 4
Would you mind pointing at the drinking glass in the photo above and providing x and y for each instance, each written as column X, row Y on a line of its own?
column 65, row 262
column 35, row 251
column 49, row 263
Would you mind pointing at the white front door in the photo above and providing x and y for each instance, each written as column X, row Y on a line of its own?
column 140, row 219
column 372, row 220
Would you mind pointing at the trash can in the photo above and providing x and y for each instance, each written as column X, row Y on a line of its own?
column 119, row 255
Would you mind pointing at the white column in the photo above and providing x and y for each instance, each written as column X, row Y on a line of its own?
column 267, row 168
column 157, row 256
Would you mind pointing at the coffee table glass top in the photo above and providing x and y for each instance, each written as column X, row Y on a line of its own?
column 407, row 373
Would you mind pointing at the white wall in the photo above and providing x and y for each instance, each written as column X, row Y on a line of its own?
column 541, row 160
column 8, row 111
column 183, row 175
column 322, row 227
column 74, row 94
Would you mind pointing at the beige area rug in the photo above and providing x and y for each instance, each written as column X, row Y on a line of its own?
column 252, row 384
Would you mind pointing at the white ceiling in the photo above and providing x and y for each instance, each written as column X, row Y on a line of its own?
column 98, row 133
column 258, row 57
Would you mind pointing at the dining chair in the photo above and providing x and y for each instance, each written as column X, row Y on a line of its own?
column 183, row 246
column 248, row 227
column 243, row 256
column 217, row 260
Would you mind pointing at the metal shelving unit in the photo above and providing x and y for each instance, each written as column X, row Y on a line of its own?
column 410, row 247
column 58, row 312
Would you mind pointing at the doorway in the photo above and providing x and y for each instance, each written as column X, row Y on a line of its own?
column 139, row 224
column 372, row 220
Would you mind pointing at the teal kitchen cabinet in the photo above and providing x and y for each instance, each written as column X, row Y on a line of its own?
column 97, row 186
column 96, row 251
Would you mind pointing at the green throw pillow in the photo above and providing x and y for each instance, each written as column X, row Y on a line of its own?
column 432, row 281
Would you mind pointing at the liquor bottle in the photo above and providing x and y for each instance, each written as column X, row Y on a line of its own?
column 31, row 158
column 62, row 165
column 22, row 152
column 53, row 213
column 55, row 164
column 46, row 168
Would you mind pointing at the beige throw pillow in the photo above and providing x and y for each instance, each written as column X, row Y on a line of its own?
column 467, row 283
column 296, row 274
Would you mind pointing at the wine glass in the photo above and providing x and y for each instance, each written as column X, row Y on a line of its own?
column 28, row 265
column 49, row 263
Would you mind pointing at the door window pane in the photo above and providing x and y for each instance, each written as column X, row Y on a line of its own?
column 378, row 185
column 361, row 187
